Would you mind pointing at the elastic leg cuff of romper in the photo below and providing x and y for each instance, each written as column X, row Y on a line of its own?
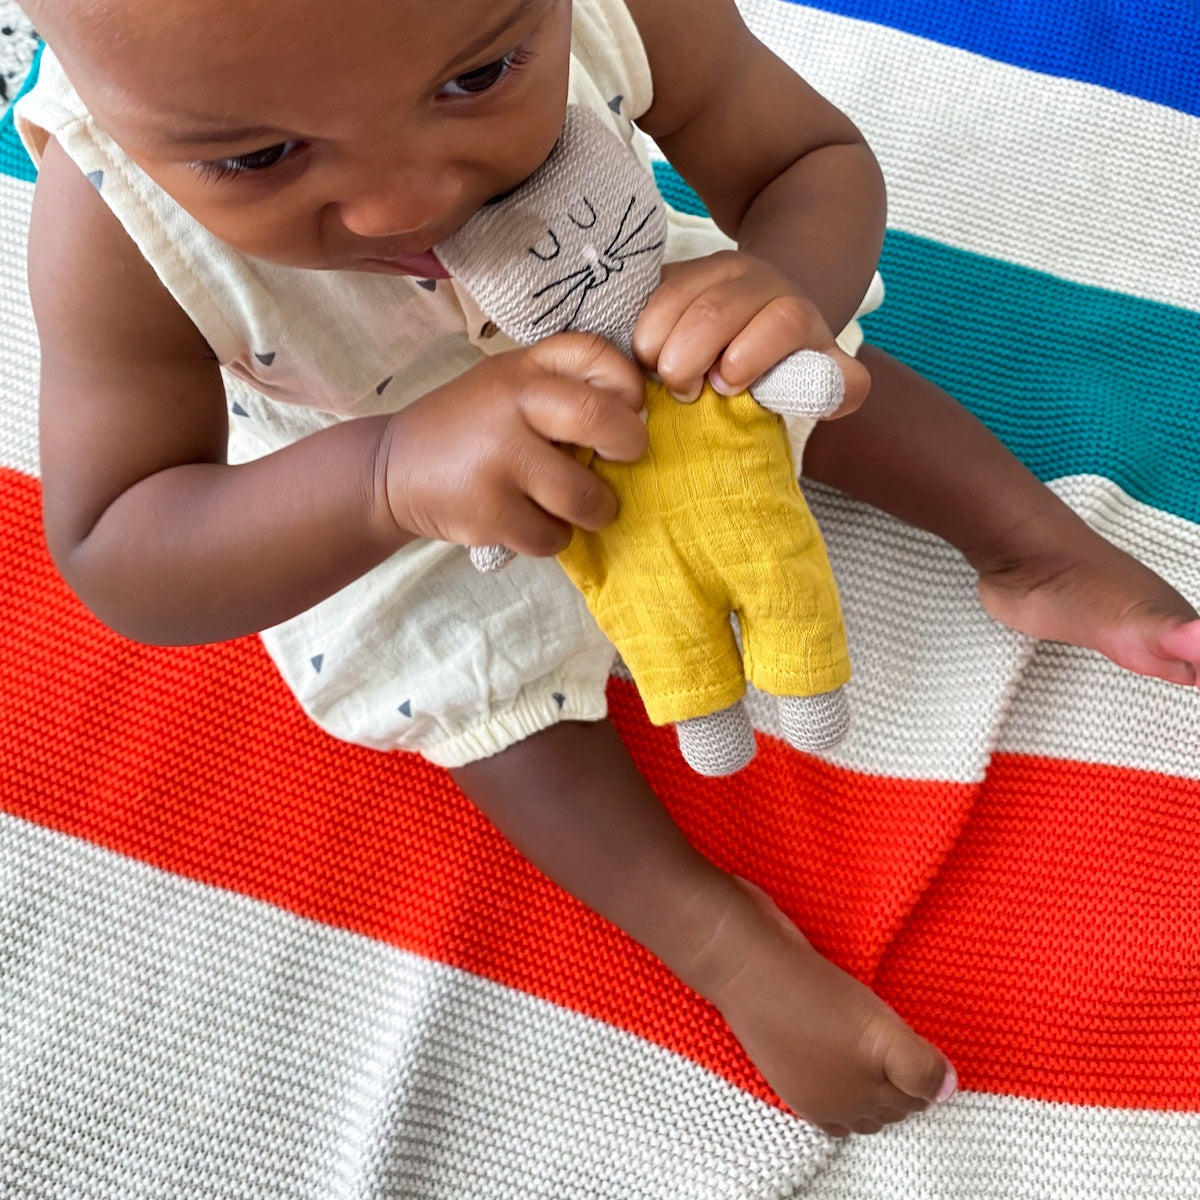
column 528, row 716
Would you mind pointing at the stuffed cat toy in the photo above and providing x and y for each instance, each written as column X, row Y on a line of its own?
column 712, row 521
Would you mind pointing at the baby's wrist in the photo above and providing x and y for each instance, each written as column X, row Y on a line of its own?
column 390, row 510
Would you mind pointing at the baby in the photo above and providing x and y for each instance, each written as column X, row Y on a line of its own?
column 237, row 183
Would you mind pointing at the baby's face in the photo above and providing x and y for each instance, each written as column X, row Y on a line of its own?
column 348, row 136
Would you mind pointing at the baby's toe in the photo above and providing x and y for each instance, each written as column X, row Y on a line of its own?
column 918, row 1070
column 893, row 1116
column 1183, row 643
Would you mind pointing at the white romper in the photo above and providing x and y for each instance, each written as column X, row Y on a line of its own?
column 422, row 653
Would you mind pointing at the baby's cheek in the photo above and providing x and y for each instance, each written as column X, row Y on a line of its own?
column 263, row 226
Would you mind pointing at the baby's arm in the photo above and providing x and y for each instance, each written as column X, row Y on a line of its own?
column 784, row 173
column 167, row 543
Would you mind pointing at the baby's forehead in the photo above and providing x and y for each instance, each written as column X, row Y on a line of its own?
column 155, row 73
column 106, row 35
column 258, row 35
column 70, row 20
column 147, row 54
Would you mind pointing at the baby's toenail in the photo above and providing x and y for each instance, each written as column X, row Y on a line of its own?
column 949, row 1085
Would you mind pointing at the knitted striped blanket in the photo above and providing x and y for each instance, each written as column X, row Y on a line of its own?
column 238, row 959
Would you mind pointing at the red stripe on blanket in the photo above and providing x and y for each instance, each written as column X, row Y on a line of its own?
column 1058, row 956
column 197, row 761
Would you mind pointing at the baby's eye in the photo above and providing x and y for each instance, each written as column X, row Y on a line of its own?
column 484, row 78
column 256, row 160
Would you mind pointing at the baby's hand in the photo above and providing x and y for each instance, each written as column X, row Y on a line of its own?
column 730, row 317
column 481, row 460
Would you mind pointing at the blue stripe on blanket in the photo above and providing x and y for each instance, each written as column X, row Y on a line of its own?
column 13, row 159
column 1146, row 48
column 1075, row 380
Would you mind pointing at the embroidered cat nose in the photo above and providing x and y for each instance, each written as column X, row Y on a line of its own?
column 601, row 265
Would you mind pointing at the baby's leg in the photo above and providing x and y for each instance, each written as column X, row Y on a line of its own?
column 914, row 452
column 572, row 801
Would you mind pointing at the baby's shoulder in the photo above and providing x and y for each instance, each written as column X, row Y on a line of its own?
column 93, row 292
column 690, row 46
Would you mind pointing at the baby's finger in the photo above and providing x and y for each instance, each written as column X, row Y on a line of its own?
column 529, row 529
column 591, row 359
column 702, row 334
column 681, row 284
column 564, row 488
column 694, row 315
column 578, row 413
column 782, row 326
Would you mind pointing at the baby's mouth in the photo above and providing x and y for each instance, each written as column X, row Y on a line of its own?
column 425, row 265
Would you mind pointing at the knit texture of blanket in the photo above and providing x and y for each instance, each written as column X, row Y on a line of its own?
column 238, row 959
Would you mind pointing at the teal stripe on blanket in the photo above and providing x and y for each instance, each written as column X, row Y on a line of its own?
column 1075, row 380
column 13, row 159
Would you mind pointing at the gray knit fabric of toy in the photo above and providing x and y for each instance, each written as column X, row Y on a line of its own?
column 579, row 246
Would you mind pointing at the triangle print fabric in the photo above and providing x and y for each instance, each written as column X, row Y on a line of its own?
column 238, row 959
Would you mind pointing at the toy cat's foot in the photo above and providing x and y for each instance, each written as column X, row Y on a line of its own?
column 831, row 1049
column 814, row 722
column 719, row 744
column 1085, row 591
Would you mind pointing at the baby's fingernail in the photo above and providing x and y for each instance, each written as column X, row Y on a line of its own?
column 686, row 398
column 949, row 1085
column 719, row 385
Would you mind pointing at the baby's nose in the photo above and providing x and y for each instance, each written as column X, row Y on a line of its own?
column 395, row 205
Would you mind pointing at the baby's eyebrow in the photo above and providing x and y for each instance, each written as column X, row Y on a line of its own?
column 224, row 135
column 490, row 35
column 217, row 135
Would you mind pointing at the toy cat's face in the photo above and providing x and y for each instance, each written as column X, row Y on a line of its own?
column 577, row 246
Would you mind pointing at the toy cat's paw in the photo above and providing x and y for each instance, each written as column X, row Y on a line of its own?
column 805, row 384
column 491, row 558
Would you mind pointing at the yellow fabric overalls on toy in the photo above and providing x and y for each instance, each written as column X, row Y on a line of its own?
column 712, row 521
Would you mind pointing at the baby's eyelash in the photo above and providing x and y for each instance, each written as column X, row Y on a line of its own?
column 483, row 79
column 256, row 160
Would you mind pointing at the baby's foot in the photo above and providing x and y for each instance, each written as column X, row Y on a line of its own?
column 1083, row 590
column 831, row 1049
